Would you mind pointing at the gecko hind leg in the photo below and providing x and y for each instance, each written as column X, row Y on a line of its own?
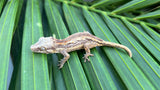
column 66, row 57
column 87, row 49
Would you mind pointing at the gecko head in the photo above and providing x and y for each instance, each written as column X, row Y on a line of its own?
column 44, row 45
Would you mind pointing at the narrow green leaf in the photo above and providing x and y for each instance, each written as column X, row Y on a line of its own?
column 155, row 14
column 57, row 75
column 153, row 21
column 151, row 32
column 104, row 3
column 7, row 22
column 99, row 3
column 72, row 70
column 77, row 0
column 155, row 36
column 134, row 4
column 146, row 63
column 34, row 71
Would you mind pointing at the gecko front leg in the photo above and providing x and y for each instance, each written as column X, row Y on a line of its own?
column 87, row 49
column 66, row 57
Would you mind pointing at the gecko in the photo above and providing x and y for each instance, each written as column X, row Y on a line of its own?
column 81, row 40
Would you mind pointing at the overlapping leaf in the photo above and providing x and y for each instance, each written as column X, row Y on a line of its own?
column 7, row 22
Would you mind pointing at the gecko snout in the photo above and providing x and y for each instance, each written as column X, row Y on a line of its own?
column 32, row 47
column 36, row 49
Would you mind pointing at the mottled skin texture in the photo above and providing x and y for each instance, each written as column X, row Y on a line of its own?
column 77, row 41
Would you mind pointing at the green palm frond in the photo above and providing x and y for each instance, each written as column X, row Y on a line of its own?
column 22, row 23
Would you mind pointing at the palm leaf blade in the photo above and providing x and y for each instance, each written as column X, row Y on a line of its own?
column 34, row 71
column 134, row 4
column 155, row 14
column 151, row 32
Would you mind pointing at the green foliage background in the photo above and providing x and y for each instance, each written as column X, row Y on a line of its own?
column 133, row 23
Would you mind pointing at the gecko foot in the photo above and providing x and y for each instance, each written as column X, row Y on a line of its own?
column 61, row 63
column 86, row 57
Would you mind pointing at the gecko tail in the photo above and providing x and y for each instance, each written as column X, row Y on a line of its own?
column 111, row 44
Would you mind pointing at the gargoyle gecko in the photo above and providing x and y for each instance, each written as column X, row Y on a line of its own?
column 77, row 41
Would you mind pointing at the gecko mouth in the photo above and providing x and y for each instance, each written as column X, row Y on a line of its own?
column 34, row 49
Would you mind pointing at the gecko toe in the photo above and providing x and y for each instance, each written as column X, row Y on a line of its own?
column 91, row 55
column 86, row 57
column 61, row 63
column 60, row 66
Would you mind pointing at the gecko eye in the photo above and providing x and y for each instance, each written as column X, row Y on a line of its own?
column 43, row 48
